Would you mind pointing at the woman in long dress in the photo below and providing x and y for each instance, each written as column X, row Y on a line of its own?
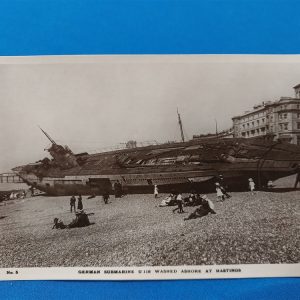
column 80, row 205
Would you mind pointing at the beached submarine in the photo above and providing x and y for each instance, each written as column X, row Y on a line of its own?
column 183, row 166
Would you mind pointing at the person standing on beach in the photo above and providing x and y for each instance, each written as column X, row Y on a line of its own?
column 179, row 203
column 80, row 205
column 73, row 203
column 251, row 186
column 220, row 194
column 223, row 186
column 155, row 191
column 118, row 189
column 105, row 197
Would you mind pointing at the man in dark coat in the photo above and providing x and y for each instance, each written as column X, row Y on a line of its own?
column 73, row 203
column 105, row 197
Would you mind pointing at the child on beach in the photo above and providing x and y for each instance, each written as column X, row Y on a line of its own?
column 155, row 191
column 251, row 186
column 220, row 194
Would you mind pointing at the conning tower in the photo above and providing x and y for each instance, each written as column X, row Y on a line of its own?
column 63, row 156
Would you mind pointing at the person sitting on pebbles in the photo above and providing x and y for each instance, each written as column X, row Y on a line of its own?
column 58, row 224
column 204, row 209
column 81, row 220
column 190, row 200
column 166, row 201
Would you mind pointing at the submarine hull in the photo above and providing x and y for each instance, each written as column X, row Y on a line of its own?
column 194, row 165
column 235, row 181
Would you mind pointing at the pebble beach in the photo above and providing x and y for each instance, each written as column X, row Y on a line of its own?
column 135, row 231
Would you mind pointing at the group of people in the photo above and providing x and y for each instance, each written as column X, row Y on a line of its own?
column 81, row 217
column 204, row 209
column 204, row 205
column 73, row 203
column 193, row 199
column 81, row 220
column 221, row 187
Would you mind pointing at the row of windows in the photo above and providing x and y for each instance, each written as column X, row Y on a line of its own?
column 254, row 116
column 281, row 116
column 285, row 115
column 286, row 106
column 264, row 113
column 252, row 124
column 254, row 132
column 283, row 126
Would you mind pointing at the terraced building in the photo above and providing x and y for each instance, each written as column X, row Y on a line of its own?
column 280, row 118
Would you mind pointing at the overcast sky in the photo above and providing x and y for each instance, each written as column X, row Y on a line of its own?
column 93, row 102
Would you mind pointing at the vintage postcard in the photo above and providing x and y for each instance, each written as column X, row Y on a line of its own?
column 149, row 167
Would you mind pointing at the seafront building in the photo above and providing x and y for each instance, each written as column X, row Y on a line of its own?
column 280, row 118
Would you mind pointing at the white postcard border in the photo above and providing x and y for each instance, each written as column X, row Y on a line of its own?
column 152, row 273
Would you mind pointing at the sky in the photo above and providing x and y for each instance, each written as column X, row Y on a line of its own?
column 93, row 102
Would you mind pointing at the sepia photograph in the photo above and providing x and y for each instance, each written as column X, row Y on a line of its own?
column 149, row 166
